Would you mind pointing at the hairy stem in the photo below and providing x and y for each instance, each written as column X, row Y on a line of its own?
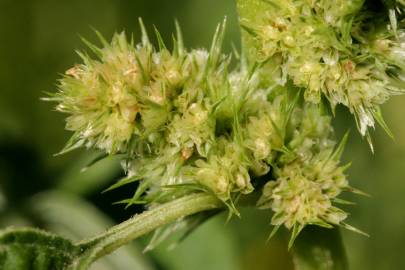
column 142, row 224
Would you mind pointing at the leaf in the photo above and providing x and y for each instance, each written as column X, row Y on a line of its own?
column 34, row 249
column 71, row 216
column 22, row 249
column 319, row 248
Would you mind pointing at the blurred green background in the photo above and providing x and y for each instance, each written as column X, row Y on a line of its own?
column 38, row 39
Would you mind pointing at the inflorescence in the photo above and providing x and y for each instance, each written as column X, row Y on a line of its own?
column 350, row 52
column 192, row 121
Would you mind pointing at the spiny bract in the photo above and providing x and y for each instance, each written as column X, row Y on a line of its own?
column 184, row 121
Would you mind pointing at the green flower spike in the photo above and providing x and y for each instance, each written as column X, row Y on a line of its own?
column 184, row 122
column 197, row 133
column 324, row 48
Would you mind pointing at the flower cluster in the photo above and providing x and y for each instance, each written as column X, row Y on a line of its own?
column 185, row 122
column 308, row 177
column 346, row 51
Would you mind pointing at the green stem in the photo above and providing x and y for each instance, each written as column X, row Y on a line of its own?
column 142, row 224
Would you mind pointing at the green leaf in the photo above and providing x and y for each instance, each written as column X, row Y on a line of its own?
column 320, row 249
column 22, row 249
column 75, row 218
column 34, row 249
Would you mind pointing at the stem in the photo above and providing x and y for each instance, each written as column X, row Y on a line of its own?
column 142, row 224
